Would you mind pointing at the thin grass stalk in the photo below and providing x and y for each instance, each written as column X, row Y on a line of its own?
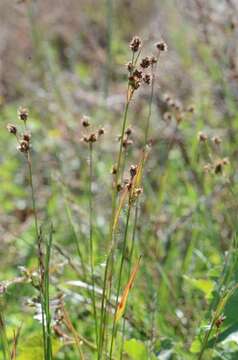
column 3, row 337
column 120, row 274
column 108, row 67
column 153, row 74
column 109, row 261
column 129, row 269
column 39, row 246
column 91, row 250
column 47, row 296
column 111, row 234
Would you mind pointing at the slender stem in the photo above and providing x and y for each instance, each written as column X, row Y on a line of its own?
column 130, row 264
column 153, row 72
column 91, row 250
column 109, row 261
column 38, row 239
column 120, row 274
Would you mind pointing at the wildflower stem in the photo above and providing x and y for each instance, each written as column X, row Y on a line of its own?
column 120, row 275
column 109, row 261
column 39, row 245
column 91, row 250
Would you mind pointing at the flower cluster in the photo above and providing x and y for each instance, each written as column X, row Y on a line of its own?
column 23, row 139
column 91, row 137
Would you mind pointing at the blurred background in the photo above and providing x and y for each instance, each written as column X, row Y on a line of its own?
column 65, row 59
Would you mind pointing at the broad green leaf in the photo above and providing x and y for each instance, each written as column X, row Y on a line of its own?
column 136, row 349
column 32, row 347
column 205, row 285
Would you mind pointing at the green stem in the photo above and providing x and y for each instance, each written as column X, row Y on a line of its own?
column 38, row 239
column 129, row 270
column 91, row 250
column 111, row 234
column 120, row 275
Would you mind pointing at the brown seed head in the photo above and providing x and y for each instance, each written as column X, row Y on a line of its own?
column 225, row 161
column 133, row 170
column 202, row 137
column 92, row 137
column 23, row 113
column 153, row 60
column 145, row 63
column 161, row 46
column 128, row 131
column 218, row 168
column 138, row 191
column 138, row 74
column 85, row 122
column 135, row 43
column 12, row 129
column 130, row 66
column 119, row 187
column 85, row 139
column 27, row 137
column 167, row 116
column 147, row 79
column 216, row 140
column 134, row 82
column 114, row 170
column 24, row 146
column 126, row 142
column 101, row 131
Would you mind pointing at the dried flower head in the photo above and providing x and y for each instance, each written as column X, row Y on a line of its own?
column 126, row 142
column 138, row 191
column 85, row 139
column 138, row 74
column 216, row 140
column 167, row 98
column 119, row 187
column 133, row 170
column 220, row 321
column 114, row 170
column 24, row 146
column 135, row 43
column 128, row 131
column 153, row 60
column 85, row 121
column 134, row 82
column 147, row 79
column 101, row 131
column 218, row 167
column 161, row 46
column 130, row 66
column 23, row 113
column 27, row 137
column 145, row 63
column 202, row 137
column 167, row 116
column 92, row 138
column 12, row 129
column 225, row 161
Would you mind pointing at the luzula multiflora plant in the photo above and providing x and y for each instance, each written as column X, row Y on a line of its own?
column 140, row 71
column 24, row 146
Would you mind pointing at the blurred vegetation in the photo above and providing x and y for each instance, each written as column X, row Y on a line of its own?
column 63, row 61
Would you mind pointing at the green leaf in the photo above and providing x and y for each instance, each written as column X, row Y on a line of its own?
column 136, row 349
column 204, row 285
column 32, row 348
